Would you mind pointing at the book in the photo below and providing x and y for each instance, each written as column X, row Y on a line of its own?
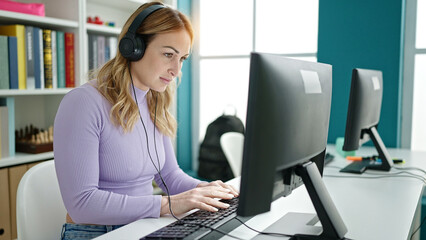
column 54, row 61
column 93, row 51
column 47, row 54
column 29, row 47
column 60, row 47
column 112, row 47
column 101, row 51
column 107, row 50
column 69, row 60
column 18, row 31
column 38, row 57
column 4, row 132
column 4, row 63
column 12, row 43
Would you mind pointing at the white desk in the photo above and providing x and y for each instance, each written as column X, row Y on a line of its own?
column 383, row 208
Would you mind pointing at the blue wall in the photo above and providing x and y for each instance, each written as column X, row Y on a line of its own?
column 363, row 34
column 184, row 152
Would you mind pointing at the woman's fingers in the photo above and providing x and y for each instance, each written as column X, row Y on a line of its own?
column 227, row 186
column 204, row 197
column 221, row 184
column 211, row 204
column 215, row 192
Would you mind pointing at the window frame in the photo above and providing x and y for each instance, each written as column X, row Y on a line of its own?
column 195, row 75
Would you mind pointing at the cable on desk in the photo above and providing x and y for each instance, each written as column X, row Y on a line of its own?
column 410, row 168
column 400, row 172
column 382, row 176
column 379, row 175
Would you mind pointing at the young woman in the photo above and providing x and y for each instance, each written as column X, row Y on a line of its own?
column 113, row 134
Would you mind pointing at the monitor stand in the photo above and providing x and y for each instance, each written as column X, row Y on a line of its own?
column 303, row 224
column 386, row 161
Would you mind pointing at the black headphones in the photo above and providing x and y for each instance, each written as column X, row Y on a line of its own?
column 132, row 46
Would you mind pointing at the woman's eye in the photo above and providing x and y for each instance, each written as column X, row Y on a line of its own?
column 169, row 55
column 183, row 59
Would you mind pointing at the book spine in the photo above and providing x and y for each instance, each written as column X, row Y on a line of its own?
column 37, row 64
column 22, row 66
column 13, row 63
column 18, row 31
column 54, row 62
column 107, row 50
column 47, row 50
column 69, row 60
column 101, row 51
column 4, row 63
column 29, row 47
column 112, row 47
column 41, row 59
column 90, row 54
column 60, row 46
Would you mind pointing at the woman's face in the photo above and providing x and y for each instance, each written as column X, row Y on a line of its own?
column 162, row 61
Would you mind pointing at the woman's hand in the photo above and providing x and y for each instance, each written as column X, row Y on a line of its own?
column 219, row 183
column 205, row 196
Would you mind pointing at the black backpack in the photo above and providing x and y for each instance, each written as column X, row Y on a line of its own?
column 213, row 164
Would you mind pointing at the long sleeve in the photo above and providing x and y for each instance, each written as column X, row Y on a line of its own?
column 105, row 175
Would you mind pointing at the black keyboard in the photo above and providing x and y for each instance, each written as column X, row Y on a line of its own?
column 197, row 225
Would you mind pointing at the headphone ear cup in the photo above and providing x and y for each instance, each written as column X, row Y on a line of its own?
column 139, row 48
column 132, row 47
column 127, row 46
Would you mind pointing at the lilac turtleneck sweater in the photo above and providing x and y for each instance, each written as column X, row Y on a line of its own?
column 105, row 175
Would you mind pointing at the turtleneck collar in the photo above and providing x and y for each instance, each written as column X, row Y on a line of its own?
column 140, row 94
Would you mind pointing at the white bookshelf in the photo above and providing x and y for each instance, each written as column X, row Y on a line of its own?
column 68, row 16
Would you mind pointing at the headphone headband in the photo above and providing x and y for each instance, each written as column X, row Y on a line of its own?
column 132, row 46
column 141, row 16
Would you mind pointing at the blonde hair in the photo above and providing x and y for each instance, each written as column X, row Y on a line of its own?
column 113, row 78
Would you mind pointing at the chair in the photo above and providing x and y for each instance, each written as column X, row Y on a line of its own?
column 40, row 211
column 232, row 145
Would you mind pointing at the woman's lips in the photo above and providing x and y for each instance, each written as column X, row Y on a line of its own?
column 165, row 80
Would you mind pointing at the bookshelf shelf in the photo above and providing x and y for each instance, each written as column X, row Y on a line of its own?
column 13, row 92
column 23, row 158
column 7, row 17
column 100, row 29
column 128, row 5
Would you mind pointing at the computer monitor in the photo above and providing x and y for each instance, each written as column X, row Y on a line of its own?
column 287, row 122
column 363, row 117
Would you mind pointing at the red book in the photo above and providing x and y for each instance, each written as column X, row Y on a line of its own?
column 69, row 60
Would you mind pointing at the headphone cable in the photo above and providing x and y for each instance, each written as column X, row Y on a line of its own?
column 147, row 143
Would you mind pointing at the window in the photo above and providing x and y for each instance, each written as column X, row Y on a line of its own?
column 418, row 128
column 228, row 31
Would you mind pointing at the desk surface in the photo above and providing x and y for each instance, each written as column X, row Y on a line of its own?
column 371, row 208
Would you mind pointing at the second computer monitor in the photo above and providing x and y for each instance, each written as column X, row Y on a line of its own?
column 365, row 101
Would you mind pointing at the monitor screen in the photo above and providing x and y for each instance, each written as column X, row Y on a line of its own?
column 287, row 122
column 365, row 101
